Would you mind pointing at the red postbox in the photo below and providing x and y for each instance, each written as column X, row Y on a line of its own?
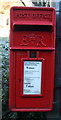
column 32, row 53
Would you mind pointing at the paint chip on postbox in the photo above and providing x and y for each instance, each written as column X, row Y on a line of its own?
column 32, row 77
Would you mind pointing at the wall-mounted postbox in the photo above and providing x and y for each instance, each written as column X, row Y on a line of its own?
column 32, row 52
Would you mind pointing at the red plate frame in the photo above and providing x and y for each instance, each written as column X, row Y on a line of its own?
column 22, row 73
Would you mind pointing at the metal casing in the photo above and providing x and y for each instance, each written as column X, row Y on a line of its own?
column 32, row 38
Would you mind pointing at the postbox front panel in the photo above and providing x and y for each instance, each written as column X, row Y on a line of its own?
column 32, row 53
column 33, row 92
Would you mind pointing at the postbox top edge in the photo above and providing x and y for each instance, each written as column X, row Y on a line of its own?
column 32, row 8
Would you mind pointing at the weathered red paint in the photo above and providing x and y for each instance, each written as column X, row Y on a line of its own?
column 32, row 29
